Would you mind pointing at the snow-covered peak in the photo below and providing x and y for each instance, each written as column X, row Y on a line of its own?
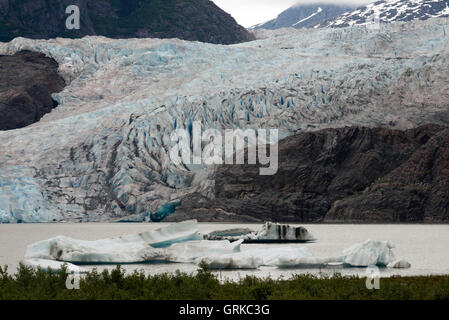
column 308, row 18
column 387, row 11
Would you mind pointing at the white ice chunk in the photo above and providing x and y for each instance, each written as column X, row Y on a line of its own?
column 52, row 265
column 364, row 254
column 399, row 264
column 260, row 257
column 268, row 232
column 124, row 249
column 114, row 250
column 369, row 253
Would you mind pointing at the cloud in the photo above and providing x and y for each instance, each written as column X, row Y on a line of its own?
column 251, row 12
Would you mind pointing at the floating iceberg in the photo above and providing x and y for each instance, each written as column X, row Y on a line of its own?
column 114, row 250
column 368, row 253
column 399, row 264
column 254, row 259
column 133, row 248
column 175, row 243
column 270, row 232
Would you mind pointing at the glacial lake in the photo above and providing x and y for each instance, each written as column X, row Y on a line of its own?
column 426, row 247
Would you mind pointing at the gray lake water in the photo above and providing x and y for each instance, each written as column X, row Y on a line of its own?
column 426, row 247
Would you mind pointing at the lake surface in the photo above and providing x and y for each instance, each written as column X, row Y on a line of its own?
column 426, row 247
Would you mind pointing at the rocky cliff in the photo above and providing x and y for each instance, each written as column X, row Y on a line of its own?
column 26, row 83
column 197, row 20
column 338, row 175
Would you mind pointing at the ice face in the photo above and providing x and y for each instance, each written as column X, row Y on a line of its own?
column 369, row 253
column 103, row 153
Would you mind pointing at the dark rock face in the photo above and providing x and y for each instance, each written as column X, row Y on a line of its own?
column 416, row 191
column 349, row 174
column 196, row 20
column 27, row 80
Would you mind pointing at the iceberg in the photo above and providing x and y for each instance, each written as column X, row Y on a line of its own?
column 240, row 260
column 114, row 250
column 269, row 232
column 133, row 248
column 178, row 242
column 368, row 253
column 253, row 259
column 236, row 233
column 399, row 264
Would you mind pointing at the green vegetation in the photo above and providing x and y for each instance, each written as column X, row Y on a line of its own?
column 30, row 284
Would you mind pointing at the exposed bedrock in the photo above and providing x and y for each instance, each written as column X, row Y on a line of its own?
column 27, row 80
column 350, row 174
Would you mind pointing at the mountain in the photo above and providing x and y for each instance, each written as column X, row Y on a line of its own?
column 348, row 174
column 103, row 153
column 196, row 20
column 304, row 16
column 387, row 11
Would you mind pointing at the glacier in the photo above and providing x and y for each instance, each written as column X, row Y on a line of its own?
column 103, row 153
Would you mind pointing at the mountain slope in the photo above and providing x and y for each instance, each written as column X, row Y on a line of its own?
column 388, row 11
column 304, row 16
column 197, row 20
column 347, row 174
